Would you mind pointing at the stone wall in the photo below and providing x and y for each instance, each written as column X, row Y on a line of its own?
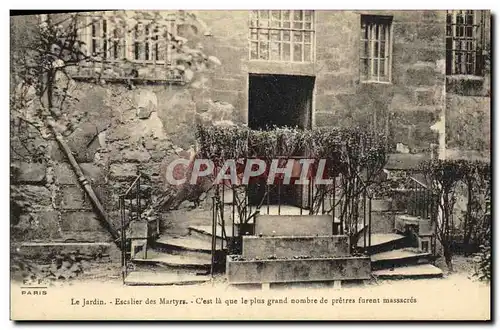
column 407, row 107
column 119, row 130
column 468, row 111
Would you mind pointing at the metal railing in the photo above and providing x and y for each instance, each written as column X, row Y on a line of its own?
column 310, row 199
column 132, row 203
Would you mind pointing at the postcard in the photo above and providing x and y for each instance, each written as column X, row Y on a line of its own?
column 250, row 165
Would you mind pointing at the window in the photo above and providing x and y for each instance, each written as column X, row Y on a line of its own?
column 376, row 48
column 146, row 42
column 464, row 42
column 282, row 35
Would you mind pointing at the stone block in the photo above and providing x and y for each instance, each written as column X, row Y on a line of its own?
column 46, row 250
column 422, row 74
column 297, row 270
column 32, row 173
column 289, row 247
column 293, row 225
column 37, row 226
column 63, row 174
column 135, row 156
column 80, row 221
column 31, row 197
column 93, row 173
column 425, row 96
column 84, row 142
column 73, row 198
column 123, row 171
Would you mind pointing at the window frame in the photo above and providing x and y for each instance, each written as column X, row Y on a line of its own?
column 283, row 41
column 476, row 42
column 127, row 43
column 373, row 24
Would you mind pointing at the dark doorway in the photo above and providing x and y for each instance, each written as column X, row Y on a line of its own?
column 279, row 100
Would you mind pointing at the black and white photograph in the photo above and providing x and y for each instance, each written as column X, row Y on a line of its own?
column 260, row 164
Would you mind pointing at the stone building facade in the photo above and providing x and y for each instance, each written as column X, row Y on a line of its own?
column 386, row 70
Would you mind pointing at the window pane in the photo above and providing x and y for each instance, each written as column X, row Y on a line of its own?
column 297, row 25
column 286, row 15
column 253, row 18
column 264, row 34
column 364, row 31
column 275, row 51
column 276, row 24
column 297, row 53
column 307, row 52
column 297, row 36
column 263, row 23
column 308, row 15
column 286, row 25
column 275, row 35
column 308, row 26
column 382, row 50
column 375, row 69
column 264, row 14
column 286, row 52
column 383, row 70
column 253, row 34
column 375, row 49
column 264, row 51
column 286, row 35
column 382, row 32
column 298, row 15
column 275, row 15
column 365, row 50
column 307, row 36
column 253, row 50
column 364, row 68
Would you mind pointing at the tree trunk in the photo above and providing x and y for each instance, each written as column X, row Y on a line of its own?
column 448, row 256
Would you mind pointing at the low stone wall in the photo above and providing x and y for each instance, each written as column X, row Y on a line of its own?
column 289, row 247
column 297, row 270
column 293, row 225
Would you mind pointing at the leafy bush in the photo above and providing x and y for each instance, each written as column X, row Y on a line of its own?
column 355, row 157
column 445, row 176
column 482, row 260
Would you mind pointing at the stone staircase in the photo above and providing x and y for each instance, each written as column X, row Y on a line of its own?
column 399, row 248
column 394, row 256
column 175, row 260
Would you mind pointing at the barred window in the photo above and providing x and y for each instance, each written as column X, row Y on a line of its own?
column 282, row 35
column 146, row 42
column 106, row 39
column 464, row 42
column 376, row 48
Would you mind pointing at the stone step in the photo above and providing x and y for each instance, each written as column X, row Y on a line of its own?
column 288, row 270
column 207, row 230
column 399, row 257
column 290, row 246
column 175, row 260
column 414, row 271
column 155, row 278
column 190, row 245
column 204, row 233
column 381, row 242
column 293, row 225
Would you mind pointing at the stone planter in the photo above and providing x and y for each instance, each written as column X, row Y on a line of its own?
column 240, row 271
